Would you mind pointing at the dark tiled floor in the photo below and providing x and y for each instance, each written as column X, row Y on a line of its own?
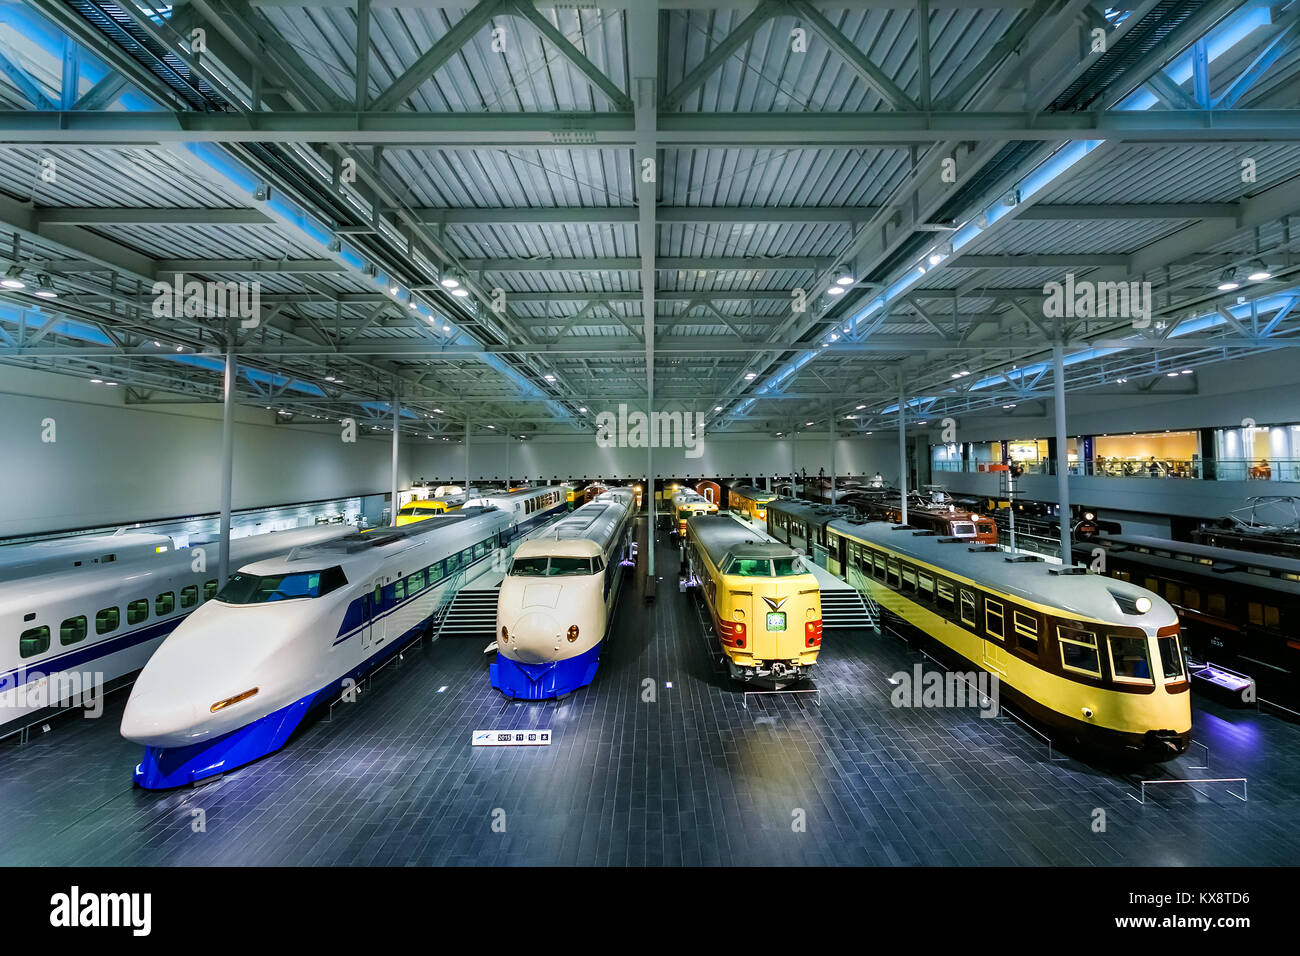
column 692, row 778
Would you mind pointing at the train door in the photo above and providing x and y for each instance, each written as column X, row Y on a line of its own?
column 374, row 633
column 994, row 627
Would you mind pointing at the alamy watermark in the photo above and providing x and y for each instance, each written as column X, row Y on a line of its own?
column 196, row 298
column 922, row 688
column 65, row 689
column 1085, row 299
column 637, row 429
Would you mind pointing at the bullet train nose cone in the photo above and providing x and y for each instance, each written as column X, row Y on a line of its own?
column 534, row 637
column 158, row 721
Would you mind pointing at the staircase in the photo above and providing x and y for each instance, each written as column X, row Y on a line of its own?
column 846, row 608
column 471, row 613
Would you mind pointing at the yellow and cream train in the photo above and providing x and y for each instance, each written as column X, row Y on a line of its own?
column 750, row 501
column 686, row 504
column 764, row 600
column 1089, row 657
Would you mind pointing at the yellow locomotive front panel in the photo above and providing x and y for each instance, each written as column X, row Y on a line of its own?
column 764, row 602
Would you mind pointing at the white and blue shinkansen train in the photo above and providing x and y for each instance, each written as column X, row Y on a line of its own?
column 528, row 508
column 557, row 600
column 79, row 551
column 72, row 634
column 237, row 678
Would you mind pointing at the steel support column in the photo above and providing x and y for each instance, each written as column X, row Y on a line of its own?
column 1062, row 455
column 227, row 462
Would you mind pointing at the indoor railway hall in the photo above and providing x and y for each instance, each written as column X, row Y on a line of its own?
column 650, row 433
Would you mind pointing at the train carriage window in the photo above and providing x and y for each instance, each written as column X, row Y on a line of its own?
column 1218, row 604
column 415, row 583
column 137, row 611
column 453, row 563
column 435, row 573
column 1173, row 593
column 1079, row 650
column 1026, row 626
column 925, row 584
column 72, row 630
column 1264, row 615
column 164, row 603
column 891, row 571
column 909, row 578
column 466, row 555
column 107, row 620
column 1128, row 659
column 878, row 563
column 209, row 590
column 1121, row 575
column 480, row 549
column 945, row 595
column 1192, row 598
column 189, row 595
column 1171, row 658
column 377, row 599
column 968, row 608
column 993, row 622
column 1152, row 585
column 34, row 641
column 399, row 590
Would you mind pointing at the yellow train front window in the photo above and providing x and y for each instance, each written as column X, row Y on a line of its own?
column 784, row 567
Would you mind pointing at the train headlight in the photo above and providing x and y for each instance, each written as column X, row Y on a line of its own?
column 1142, row 604
column 505, row 633
column 738, row 614
column 573, row 633
column 233, row 700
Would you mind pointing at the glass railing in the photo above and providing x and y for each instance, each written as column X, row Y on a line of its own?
column 1224, row 469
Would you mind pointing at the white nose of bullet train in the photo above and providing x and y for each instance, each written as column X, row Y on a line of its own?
column 539, row 619
column 220, row 656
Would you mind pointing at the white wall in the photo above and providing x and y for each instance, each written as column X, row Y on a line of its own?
column 722, row 457
column 111, row 463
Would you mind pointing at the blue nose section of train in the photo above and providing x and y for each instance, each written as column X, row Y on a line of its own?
column 164, row 767
column 545, row 680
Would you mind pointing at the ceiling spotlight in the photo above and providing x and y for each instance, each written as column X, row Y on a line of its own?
column 860, row 408
column 412, row 305
column 935, row 258
column 843, row 276
column 1120, row 381
column 582, row 410
column 437, row 411
column 1228, row 280
column 45, row 288
column 1171, row 374
column 1186, row 371
column 717, row 408
column 550, row 378
column 449, row 281
column 1258, row 272
column 13, row 278
column 446, row 328
column 835, row 290
column 460, row 292
column 750, row 376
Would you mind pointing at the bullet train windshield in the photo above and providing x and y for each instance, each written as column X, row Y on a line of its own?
column 555, row 566
column 247, row 588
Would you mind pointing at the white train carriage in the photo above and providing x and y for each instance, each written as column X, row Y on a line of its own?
column 528, row 508
column 72, row 635
column 284, row 635
column 80, row 551
column 557, row 600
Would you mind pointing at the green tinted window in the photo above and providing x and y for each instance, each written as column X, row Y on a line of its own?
column 107, row 620
column 164, row 603
column 209, row 590
column 74, row 629
column 137, row 611
column 34, row 641
column 190, row 595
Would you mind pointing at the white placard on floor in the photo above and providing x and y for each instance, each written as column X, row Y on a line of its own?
column 511, row 738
